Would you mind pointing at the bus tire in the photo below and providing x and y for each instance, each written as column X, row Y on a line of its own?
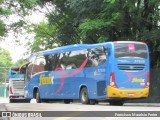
column 67, row 101
column 84, row 96
column 27, row 100
column 11, row 101
column 38, row 99
column 116, row 103
column 93, row 102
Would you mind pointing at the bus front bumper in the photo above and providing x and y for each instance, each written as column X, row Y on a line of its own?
column 127, row 93
column 16, row 97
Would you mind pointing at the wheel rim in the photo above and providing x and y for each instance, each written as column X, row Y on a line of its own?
column 37, row 97
column 84, row 96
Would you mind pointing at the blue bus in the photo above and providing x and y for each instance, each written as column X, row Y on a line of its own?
column 111, row 71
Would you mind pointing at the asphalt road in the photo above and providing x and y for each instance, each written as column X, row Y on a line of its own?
column 78, row 111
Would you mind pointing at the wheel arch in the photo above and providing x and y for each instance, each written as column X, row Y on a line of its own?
column 34, row 91
column 82, row 86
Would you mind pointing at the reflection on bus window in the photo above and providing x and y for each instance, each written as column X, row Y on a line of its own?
column 130, row 50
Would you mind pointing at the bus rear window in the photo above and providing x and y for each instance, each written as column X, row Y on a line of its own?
column 130, row 50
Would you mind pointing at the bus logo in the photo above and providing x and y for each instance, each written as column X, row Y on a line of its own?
column 138, row 80
column 131, row 67
column 46, row 79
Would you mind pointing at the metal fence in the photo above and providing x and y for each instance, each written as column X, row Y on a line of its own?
column 4, row 90
column 4, row 81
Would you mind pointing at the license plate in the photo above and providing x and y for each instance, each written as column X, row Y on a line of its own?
column 21, row 97
column 131, row 94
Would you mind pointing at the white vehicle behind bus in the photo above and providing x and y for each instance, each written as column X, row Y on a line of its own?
column 16, row 84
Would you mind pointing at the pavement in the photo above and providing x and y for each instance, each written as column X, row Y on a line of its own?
column 2, row 109
column 4, row 100
column 2, row 105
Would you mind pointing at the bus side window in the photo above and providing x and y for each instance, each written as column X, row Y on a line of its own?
column 71, row 66
column 53, row 62
column 29, row 68
column 97, row 56
column 29, row 71
column 39, row 65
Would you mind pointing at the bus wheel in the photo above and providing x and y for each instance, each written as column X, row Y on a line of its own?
column 93, row 102
column 11, row 101
column 27, row 100
column 67, row 101
column 38, row 99
column 116, row 103
column 84, row 96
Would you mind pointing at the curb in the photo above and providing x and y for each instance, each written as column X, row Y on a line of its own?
column 3, row 108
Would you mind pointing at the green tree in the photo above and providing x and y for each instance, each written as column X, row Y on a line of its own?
column 5, row 63
column 5, row 58
column 87, row 21
column 20, row 62
column 45, row 37
column 93, row 21
column 62, row 18
column 4, row 11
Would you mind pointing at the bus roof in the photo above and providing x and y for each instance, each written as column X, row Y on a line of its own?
column 69, row 48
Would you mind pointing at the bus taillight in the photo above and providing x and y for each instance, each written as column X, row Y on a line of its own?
column 10, row 90
column 112, row 80
column 148, row 80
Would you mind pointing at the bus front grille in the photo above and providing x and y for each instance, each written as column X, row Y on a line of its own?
column 18, row 86
column 131, row 67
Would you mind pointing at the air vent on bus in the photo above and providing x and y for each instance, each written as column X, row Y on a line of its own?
column 131, row 66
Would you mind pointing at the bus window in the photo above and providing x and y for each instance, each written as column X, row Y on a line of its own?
column 73, row 60
column 97, row 56
column 28, row 72
column 14, row 70
column 39, row 65
column 134, row 50
column 53, row 62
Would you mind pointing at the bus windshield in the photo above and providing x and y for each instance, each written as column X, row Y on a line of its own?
column 130, row 50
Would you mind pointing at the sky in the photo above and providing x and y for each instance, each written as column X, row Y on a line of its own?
column 18, row 50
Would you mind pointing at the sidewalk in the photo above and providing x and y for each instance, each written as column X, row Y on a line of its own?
column 4, row 100
column 2, row 107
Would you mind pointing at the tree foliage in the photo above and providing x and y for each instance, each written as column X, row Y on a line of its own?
column 93, row 21
column 5, row 62
column 89, row 21
column 2, row 28
column 45, row 37
column 5, row 58
column 21, row 62
column 4, row 11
